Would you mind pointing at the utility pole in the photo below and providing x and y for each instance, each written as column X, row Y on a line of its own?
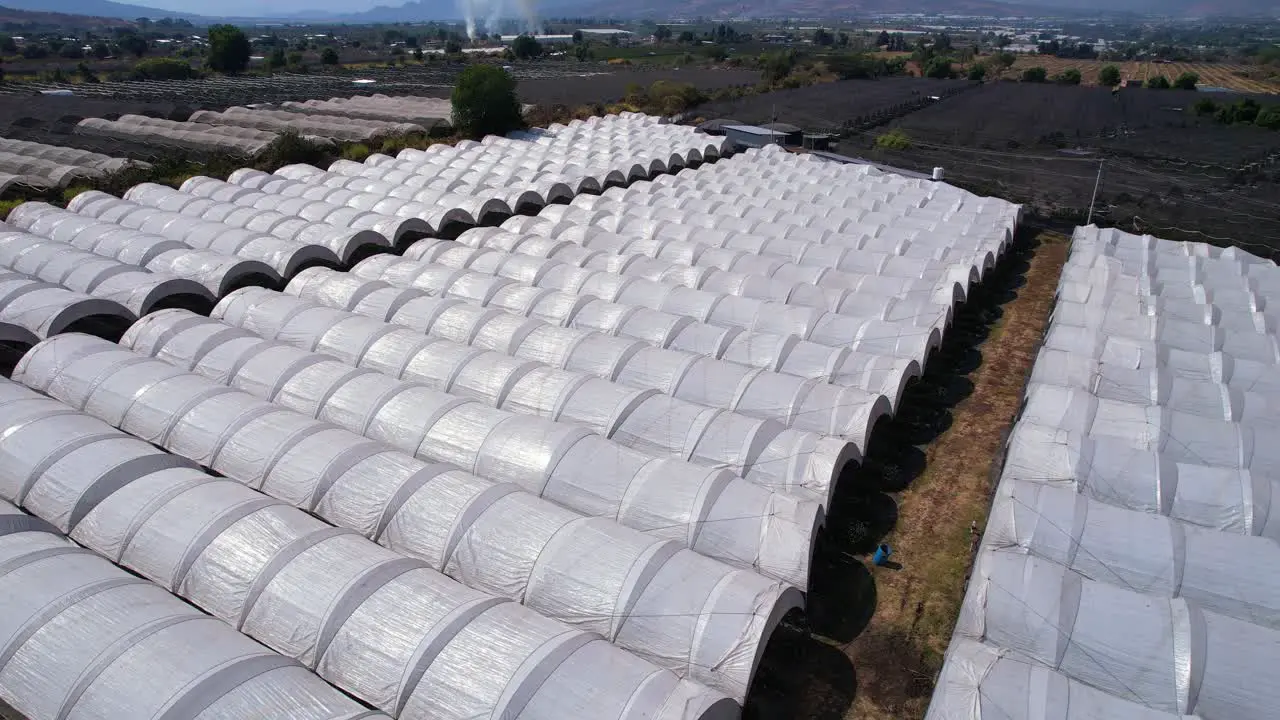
column 1094, row 199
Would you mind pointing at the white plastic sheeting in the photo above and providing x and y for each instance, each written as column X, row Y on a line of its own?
column 801, row 198
column 385, row 628
column 62, row 264
column 920, row 295
column 81, row 638
column 337, row 128
column 526, row 170
column 896, row 339
column 399, row 230
column 881, row 311
column 349, row 245
column 48, row 173
column 671, row 606
column 8, row 180
column 847, row 410
column 532, row 452
column 218, row 273
column 1130, row 565
column 764, row 452
column 439, row 209
column 31, row 308
column 286, row 257
column 68, row 156
column 181, row 135
column 423, row 111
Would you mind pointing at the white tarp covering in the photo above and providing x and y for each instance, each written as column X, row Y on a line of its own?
column 82, row 639
column 218, row 273
column 285, row 256
column 1130, row 565
column 62, row 264
column 381, row 626
column 348, row 244
column 525, row 383
column 42, row 310
column 674, row 607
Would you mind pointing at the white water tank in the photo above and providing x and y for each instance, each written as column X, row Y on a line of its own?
column 937, row 173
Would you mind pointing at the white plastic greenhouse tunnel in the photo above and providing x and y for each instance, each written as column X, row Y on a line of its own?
column 1130, row 565
column 383, row 627
column 542, row 427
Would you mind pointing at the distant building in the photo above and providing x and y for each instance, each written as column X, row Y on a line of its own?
column 753, row 136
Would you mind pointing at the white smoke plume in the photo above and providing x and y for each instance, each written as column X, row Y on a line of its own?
column 488, row 15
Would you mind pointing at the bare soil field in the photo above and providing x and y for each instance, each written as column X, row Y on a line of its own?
column 1165, row 171
column 831, row 106
column 52, row 118
column 1240, row 78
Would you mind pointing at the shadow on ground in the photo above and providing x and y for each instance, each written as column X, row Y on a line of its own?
column 806, row 673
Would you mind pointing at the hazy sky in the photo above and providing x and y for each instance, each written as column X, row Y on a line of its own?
column 258, row 8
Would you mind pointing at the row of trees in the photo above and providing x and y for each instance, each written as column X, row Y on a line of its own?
column 1244, row 112
column 1109, row 76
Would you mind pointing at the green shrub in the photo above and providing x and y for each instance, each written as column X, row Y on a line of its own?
column 164, row 69
column 356, row 152
column 1070, row 76
column 1158, row 82
column 7, row 206
column 893, row 140
column 1035, row 75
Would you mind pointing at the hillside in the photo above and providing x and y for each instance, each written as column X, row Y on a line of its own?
column 94, row 8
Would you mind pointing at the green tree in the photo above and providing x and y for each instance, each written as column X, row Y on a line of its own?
column 72, row 51
column 526, row 47
column 228, row 49
column 7, row 44
column 1187, row 81
column 1205, row 106
column 277, row 58
column 716, row 53
column 1158, row 82
column 328, row 56
column 452, row 47
column 294, row 59
column 1005, row 60
column 662, row 33
column 484, row 102
column 939, row 69
column 1109, row 76
column 1035, row 75
column 776, row 66
column 1269, row 118
column 134, row 44
column 35, row 51
column 977, row 72
column 417, row 54
column 823, row 37
column 1070, row 76
column 101, row 50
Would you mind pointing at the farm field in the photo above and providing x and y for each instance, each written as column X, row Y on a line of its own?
column 52, row 119
column 542, row 82
column 1240, row 78
column 1165, row 171
column 831, row 106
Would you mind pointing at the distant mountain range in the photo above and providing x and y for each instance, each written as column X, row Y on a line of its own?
column 96, row 8
column 421, row 10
